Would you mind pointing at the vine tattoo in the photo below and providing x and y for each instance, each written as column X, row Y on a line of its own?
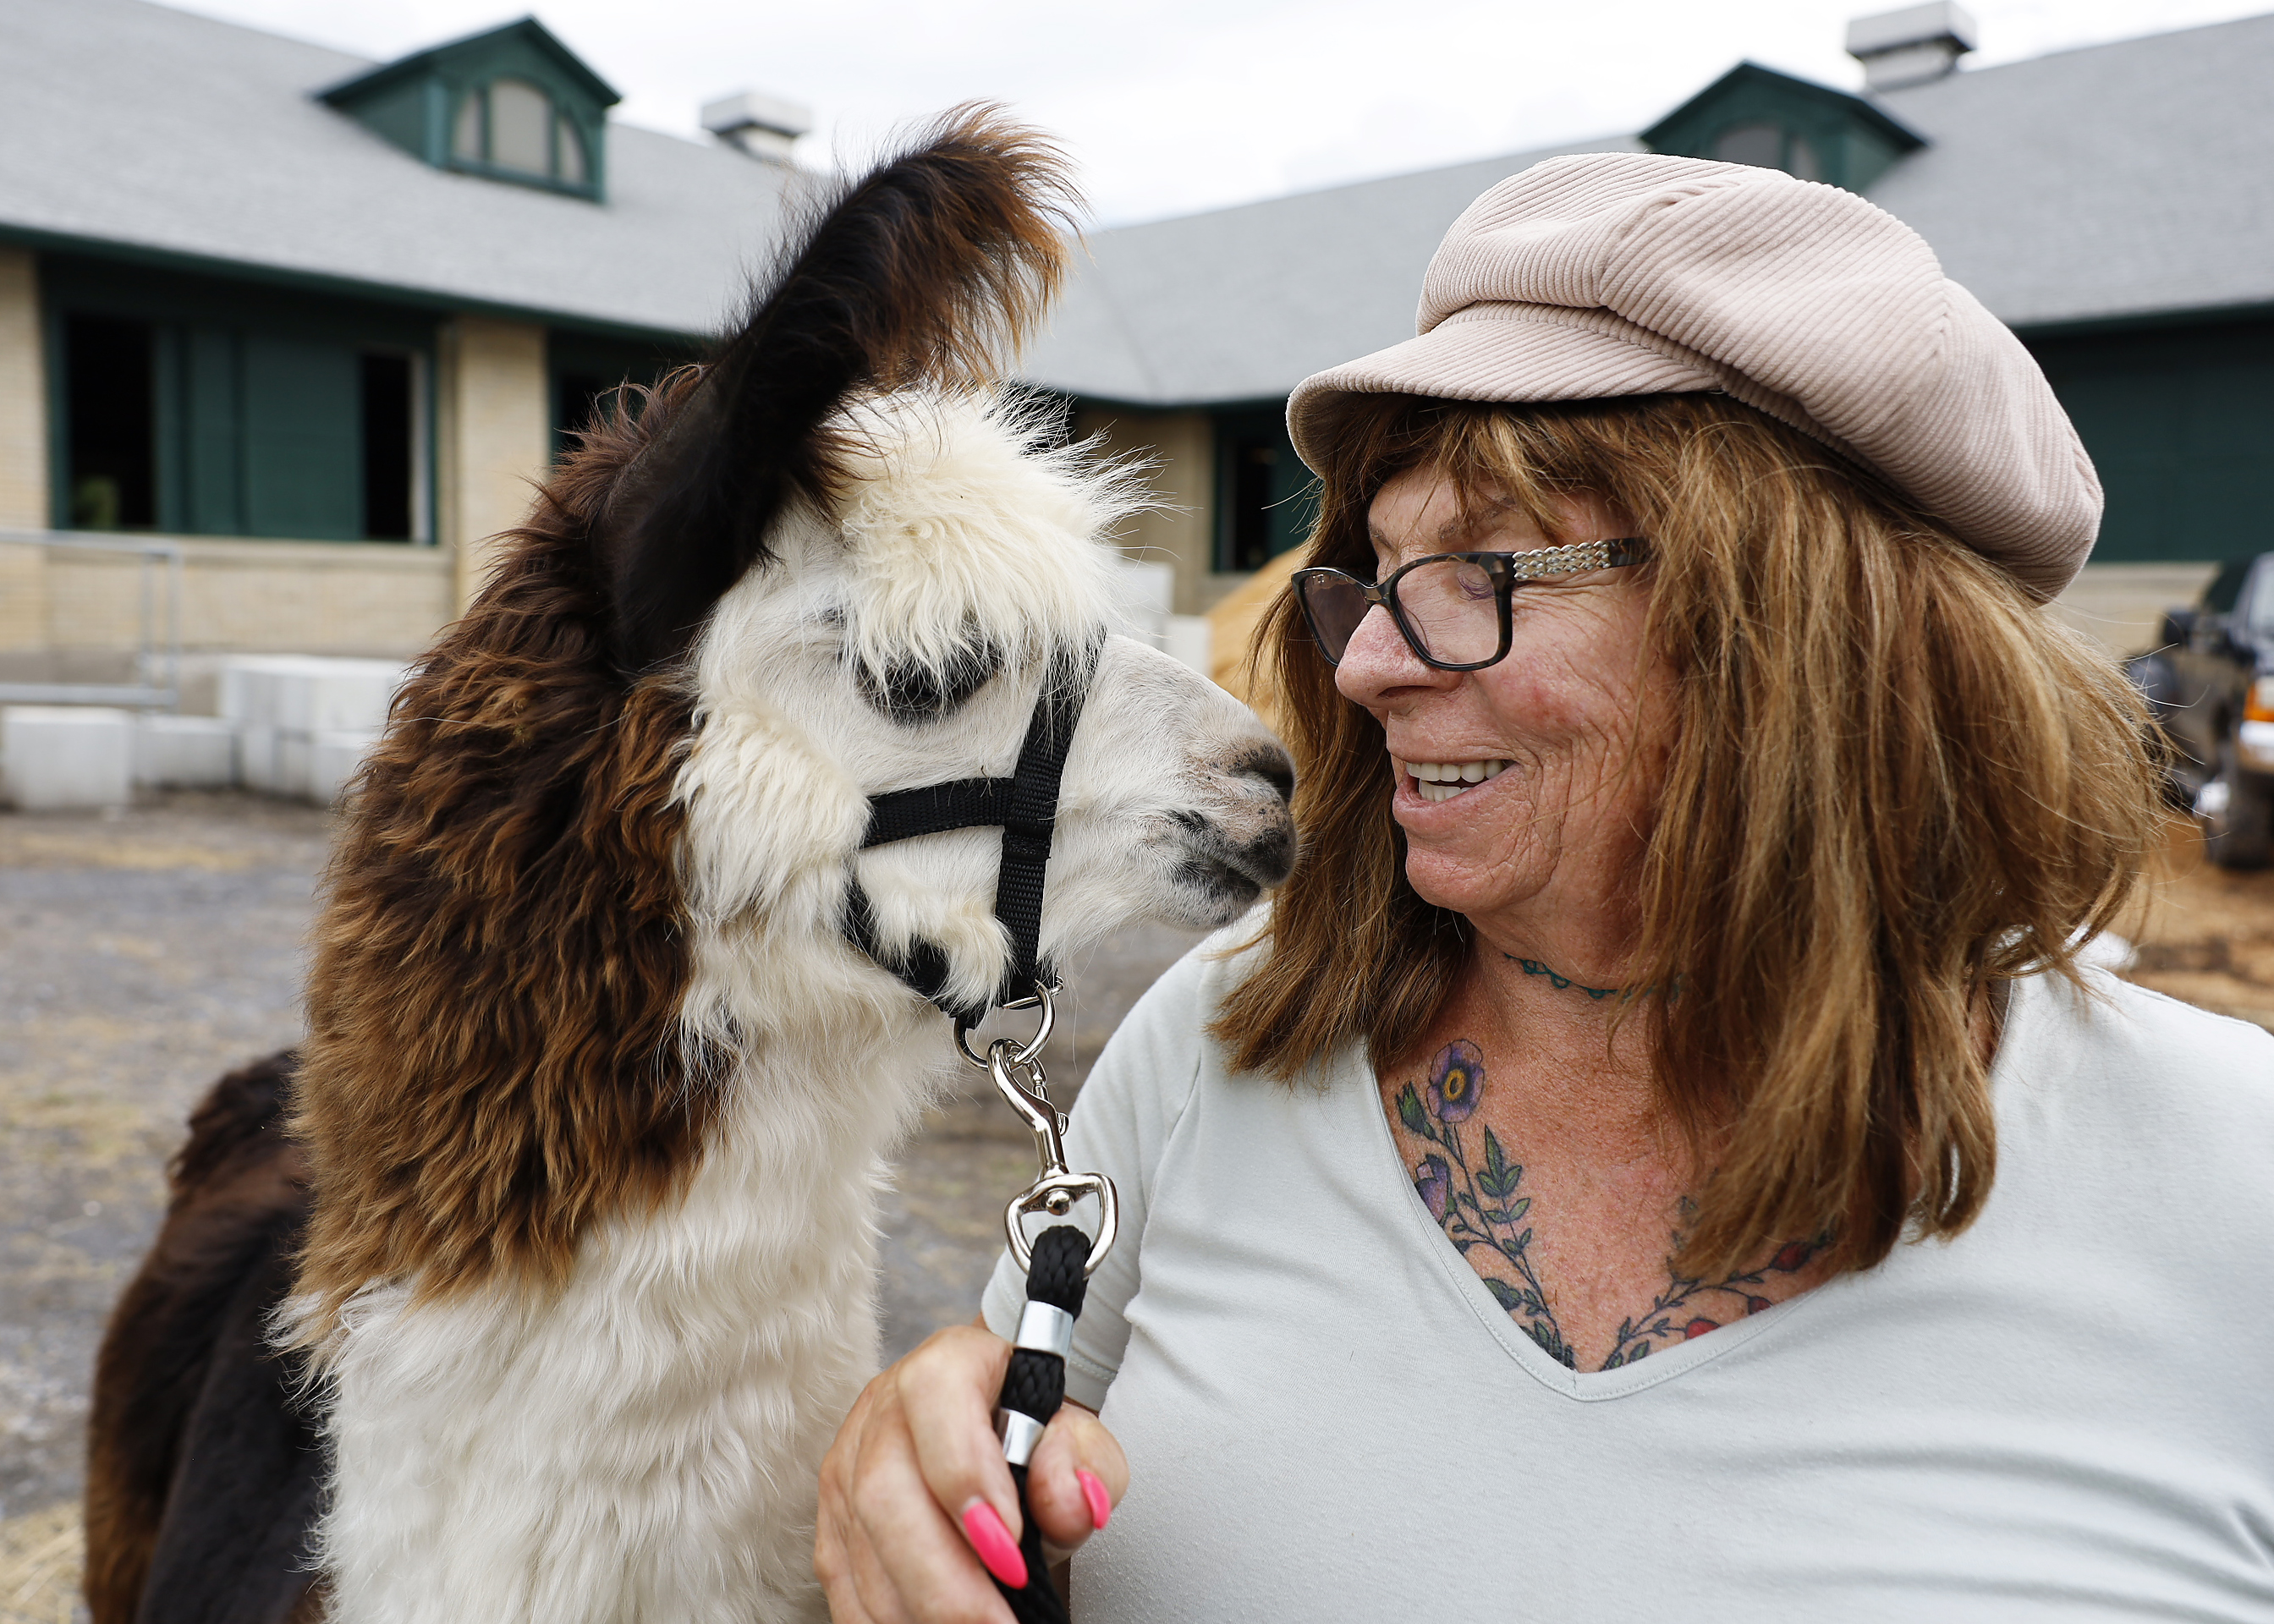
column 1479, row 1204
column 1533, row 966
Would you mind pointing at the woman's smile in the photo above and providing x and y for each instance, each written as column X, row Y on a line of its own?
column 1444, row 780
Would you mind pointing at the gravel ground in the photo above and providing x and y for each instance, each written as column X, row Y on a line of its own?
column 145, row 953
column 2207, row 935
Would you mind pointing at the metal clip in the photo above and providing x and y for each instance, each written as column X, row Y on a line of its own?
column 1019, row 1078
column 1022, row 1084
column 1043, row 997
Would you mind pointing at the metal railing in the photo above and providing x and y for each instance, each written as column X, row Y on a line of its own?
column 158, row 655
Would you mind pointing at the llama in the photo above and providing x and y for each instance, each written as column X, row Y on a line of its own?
column 203, row 1476
column 596, row 1092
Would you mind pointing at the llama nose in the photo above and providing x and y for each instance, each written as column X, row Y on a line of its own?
column 1271, row 764
column 1268, row 854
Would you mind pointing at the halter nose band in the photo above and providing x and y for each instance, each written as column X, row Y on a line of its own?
column 1024, row 805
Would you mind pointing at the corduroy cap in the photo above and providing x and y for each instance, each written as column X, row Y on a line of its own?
column 1619, row 274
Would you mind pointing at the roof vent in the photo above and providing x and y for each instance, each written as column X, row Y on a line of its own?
column 1910, row 47
column 762, row 125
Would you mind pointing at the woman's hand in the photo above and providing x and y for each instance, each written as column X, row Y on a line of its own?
column 915, row 1490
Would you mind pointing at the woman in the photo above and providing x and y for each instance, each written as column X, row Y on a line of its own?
column 1660, row 1151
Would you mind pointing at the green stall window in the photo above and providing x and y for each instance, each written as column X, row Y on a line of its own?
column 201, row 428
column 1264, row 498
column 2180, row 422
column 302, row 439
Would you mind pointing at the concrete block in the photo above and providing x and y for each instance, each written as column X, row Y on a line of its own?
column 246, row 688
column 336, row 695
column 1192, row 639
column 184, row 752
column 60, row 757
column 284, row 705
column 294, row 752
column 1146, row 590
column 332, row 758
column 307, row 692
column 256, row 758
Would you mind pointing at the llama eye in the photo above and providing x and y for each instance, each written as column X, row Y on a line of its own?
column 908, row 691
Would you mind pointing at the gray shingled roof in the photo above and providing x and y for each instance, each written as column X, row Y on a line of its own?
column 1241, row 303
column 127, row 124
column 2117, row 180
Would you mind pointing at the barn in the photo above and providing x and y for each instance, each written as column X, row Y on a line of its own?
column 302, row 327
column 285, row 334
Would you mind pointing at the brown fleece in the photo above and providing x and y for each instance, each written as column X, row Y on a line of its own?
column 491, row 1063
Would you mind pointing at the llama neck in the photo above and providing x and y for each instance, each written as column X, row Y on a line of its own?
column 789, row 1184
column 675, row 1395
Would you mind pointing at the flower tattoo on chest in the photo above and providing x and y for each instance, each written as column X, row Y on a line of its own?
column 1480, row 1205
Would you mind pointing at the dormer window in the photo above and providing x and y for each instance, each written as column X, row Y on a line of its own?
column 1769, row 146
column 1772, row 121
column 510, row 123
column 511, row 104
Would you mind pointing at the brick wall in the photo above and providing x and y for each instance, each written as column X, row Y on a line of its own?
column 23, row 396
column 494, row 435
column 23, row 452
column 237, row 596
column 2121, row 605
column 68, row 611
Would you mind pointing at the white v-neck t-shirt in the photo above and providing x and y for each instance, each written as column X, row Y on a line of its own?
column 2065, row 1413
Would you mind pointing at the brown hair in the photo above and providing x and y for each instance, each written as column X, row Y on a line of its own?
column 1894, row 782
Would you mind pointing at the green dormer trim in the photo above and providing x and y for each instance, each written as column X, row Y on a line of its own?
column 1756, row 114
column 511, row 104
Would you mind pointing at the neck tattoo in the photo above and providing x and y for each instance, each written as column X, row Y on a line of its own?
column 1533, row 966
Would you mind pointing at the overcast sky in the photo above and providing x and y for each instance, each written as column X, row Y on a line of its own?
column 1174, row 106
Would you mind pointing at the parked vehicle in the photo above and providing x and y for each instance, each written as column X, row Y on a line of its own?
column 2210, row 683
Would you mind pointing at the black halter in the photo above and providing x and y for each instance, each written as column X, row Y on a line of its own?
column 1024, row 805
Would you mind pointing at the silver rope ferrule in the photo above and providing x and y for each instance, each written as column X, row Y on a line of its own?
column 1045, row 1327
column 1020, row 1433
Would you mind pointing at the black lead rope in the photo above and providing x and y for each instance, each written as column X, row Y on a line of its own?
column 1033, row 1389
column 1058, row 1265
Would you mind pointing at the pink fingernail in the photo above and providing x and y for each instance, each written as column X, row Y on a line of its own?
column 993, row 1542
column 1101, row 1503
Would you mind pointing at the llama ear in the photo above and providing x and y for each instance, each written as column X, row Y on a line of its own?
column 919, row 274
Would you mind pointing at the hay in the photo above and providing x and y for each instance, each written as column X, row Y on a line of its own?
column 40, row 1556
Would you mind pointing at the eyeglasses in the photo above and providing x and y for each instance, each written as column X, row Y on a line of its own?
column 1451, row 607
